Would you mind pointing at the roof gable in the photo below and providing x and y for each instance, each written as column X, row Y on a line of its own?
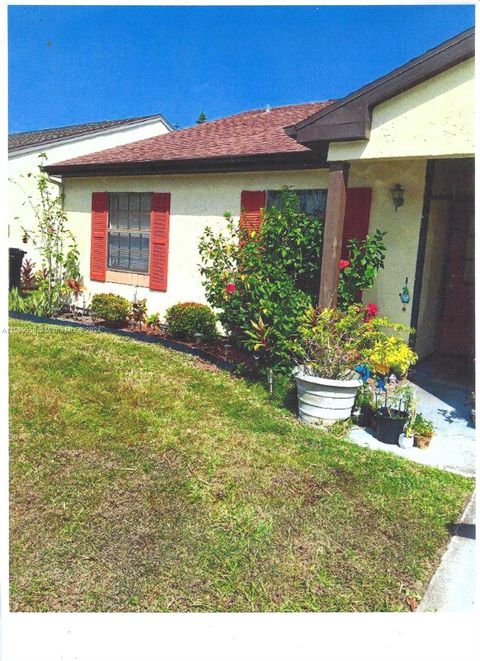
column 350, row 118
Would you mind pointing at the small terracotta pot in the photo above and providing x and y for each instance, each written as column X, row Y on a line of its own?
column 422, row 442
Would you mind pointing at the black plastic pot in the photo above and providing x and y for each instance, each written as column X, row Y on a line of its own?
column 364, row 417
column 389, row 427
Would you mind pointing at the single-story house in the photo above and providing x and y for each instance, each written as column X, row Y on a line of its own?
column 24, row 150
column 138, row 210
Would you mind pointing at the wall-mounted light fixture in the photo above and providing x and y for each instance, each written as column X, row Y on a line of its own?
column 398, row 194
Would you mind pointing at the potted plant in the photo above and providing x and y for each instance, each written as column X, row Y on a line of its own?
column 365, row 405
column 394, row 405
column 326, row 353
column 422, row 431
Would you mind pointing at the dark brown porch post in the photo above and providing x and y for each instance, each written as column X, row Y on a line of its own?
column 333, row 233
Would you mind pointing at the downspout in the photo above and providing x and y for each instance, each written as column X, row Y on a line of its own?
column 59, row 183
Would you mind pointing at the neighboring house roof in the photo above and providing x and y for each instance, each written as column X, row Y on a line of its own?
column 37, row 139
column 232, row 142
column 350, row 118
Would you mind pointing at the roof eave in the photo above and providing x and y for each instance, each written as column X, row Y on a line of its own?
column 245, row 163
column 41, row 146
column 349, row 119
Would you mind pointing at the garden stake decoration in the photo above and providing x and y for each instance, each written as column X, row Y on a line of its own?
column 270, row 380
column 405, row 295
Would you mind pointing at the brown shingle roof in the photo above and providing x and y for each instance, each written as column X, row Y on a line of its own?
column 250, row 133
column 37, row 138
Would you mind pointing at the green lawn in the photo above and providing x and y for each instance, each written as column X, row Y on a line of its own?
column 145, row 480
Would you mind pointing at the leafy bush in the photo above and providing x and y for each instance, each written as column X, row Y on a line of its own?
column 359, row 272
column 56, row 246
column 186, row 319
column 331, row 343
column 328, row 342
column 111, row 308
column 261, row 282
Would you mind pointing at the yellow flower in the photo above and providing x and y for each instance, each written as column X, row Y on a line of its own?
column 253, row 234
column 391, row 354
column 243, row 277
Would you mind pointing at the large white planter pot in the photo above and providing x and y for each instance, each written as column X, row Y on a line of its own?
column 324, row 400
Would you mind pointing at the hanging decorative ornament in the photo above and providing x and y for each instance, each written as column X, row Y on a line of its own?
column 405, row 295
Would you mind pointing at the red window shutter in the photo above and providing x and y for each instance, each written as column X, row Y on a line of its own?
column 98, row 246
column 357, row 216
column 159, row 234
column 251, row 202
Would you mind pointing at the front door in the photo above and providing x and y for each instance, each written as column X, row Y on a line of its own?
column 457, row 328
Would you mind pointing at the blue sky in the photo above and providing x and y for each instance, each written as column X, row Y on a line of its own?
column 74, row 64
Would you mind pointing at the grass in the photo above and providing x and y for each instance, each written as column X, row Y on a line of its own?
column 145, row 480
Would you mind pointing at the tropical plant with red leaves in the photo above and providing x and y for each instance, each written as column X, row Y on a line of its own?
column 27, row 274
column 138, row 315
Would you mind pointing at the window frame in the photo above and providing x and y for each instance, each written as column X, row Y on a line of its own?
column 277, row 191
column 129, row 232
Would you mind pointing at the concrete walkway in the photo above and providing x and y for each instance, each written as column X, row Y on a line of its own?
column 453, row 446
column 452, row 588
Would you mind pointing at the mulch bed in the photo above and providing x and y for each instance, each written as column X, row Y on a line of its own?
column 225, row 357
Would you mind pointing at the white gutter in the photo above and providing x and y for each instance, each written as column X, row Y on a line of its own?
column 59, row 183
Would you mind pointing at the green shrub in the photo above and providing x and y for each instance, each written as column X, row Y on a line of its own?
column 186, row 319
column 111, row 308
column 263, row 281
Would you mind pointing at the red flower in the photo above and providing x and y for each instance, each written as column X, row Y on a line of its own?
column 231, row 288
column 371, row 311
column 343, row 263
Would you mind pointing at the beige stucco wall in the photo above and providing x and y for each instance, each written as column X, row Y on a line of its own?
column 21, row 186
column 433, row 119
column 201, row 200
column 196, row 201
